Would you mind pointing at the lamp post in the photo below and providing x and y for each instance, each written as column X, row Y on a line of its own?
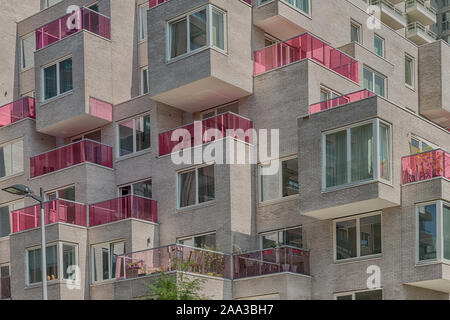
column 21, row 190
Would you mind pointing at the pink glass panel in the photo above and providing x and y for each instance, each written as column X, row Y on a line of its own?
column 208, row 130
column 424, row 166
column 55, row 211
column 123, row 208
column 70, row 155
column 335, row 102
column 5, row 288
column 301, row 47
column 154, row 3
column 17, row 110
column 101, row 109
column 168, row 258
column 69, row 24
column 283, row 259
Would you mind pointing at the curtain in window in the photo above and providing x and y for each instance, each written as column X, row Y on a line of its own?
column 336, row 159
column 187, row 192
column 50, row 82
column 142, row 133
column 178, row 36
column 206, row 185
column 52, row 263
column 218, row 31
column 197, row 29
column 362, row 153
column 385, row 163
column 65, row 75
column 34, row 266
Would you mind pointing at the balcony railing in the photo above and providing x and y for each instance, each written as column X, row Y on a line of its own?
column 173, row 258
column 302, row 47
column 416, row 27
column 389, row 5
column 83, row 19
column 70, row 155
column 154, row 3
column 270, row 261
column 426, row 165
column 5, row 288
column 205, row 131
column 17, row 110
column 55, row 211
column 123, row 208
column 420, row 3
column 339, row 101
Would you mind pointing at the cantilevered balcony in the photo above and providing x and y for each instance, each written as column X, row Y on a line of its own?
column 302, row 47
column 339, row 101
column 154, row 3
column 425, row 166
column 418, row 11
column 71, row 155
column 390, row 15
column 205, row 131
column 83, row 19
column 56, row 211
column 419, row 34
column 123, row 208
column 17, row 110
column 5, row 288
column 271, row 261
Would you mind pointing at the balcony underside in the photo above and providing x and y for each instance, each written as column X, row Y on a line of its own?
column 206, row 92
column 419, row 38
column 280, row 27
column 441, row 285
column 418, row 14
column 392, row 20
column 439, row 116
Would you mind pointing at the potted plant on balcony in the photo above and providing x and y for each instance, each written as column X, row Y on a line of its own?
column 132, row 270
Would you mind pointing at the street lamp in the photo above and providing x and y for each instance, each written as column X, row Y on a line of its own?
column 21, row 190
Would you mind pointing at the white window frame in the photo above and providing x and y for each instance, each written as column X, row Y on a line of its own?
column 365, row 67
column 46, row 4
column 358, row 26
column 131, row 185
column 143, row 80
column 413, row 72
column 142, row 9
column 262, row 234
column 135, row 152
column 109, row 243
column 376, row 154
column 47, row 193
column 196, row 236
column 358, row 237
column 215, row 110
column 424, row 141
column 209, row 42
column 10, row 143
column 22, row 51
column 331, row 94
column 11, row 208
column 178, row 184
column 383, row 44
column 58, row 84
column 264, row 2
column 353, row 293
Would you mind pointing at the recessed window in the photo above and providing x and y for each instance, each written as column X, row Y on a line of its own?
column 104, row 259
column 409, row 71
column 142, row 189
column 231, row 107
column 207, row 241
column 5, row 216
column 283, row 183
column 11, row 159
column 134, row 135
column 199, row 29
column 418, row 145
column 355, row 32
column 67, row 193
column 144, row 80
column 28, row 44
column 357, row 237
column 49, row 3
column 379, row 45
column 143, row 21
column 327, row 94
column 196, row 186
column 374, row 82
column 376, row 294
column 287, row 237
column 57, row 79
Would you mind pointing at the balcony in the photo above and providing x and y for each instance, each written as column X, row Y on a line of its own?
column 173, row 258
column 205, row 131
column 425, row 166
column 17, row 110
column 5, row 288
column 418, row 11
column 390, row 15
column 70, row 155
column 419, row 34
column 154, row 3
column 302, row 47
column 339, row 101
column 271, row 261
column 57, row 211
column 123, row 208
column 83, row 19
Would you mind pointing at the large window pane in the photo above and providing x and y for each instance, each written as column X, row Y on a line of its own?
column 5, row 161
column 143, row 21
column 65, row 75
column 336, row 159
column 126, row 138
column 409, row 71
column 197, row 29
column 270, row 186
column 218, row 29
column 368, row 80
column 143, row 189
column 385, row 151
column 187, row 192
column 346, row 239
column 206, row 185
column 178, row 38
column 142, row 133
column 290, row 177
column 50, row 85
column 117, row 249
column 5, row 227
column 446, row 230
column 52, row 263
column 379, row 46
column 427, row 232
column 101, row 262
column 206, row 242
column 28, row 45
column 17, row 157
column 369, row 295
column 362, row 152
column 270, row 240
column 370, row 229
column 69, row 256
column 34, row 264
column 294, row 237
column 379, row 85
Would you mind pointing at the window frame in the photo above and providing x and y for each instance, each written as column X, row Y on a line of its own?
column 383, row 44
column 22, row 51
column 284, row 230
column 196, row 236
column 142, row 34
column 413, row 72
column 56, row 191
column 144, row 80
column 264, row 2
column 11, row 208
column 58, row 79
column 358, row 26
column 353, row 293
column 46, row 4
column 385, row 79
column 109, row 243
column 375, row 153
column 358, row 237
column 131, row 185
column 10, row 144
column 135, row 152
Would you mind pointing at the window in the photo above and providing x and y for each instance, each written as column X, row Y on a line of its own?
column 419, row 145
column 4, row 271
column 67, row 193
column 409, row 71
column 94, row 7
column 142, row 189
column 5, row 216
column 376, row 294
column 143, row 21
column 433, row 231
column 28, row 44
column 374, row 82
column 134, row 135
column 104, row 257
column 231, row 107
column 199, row 29
column 355, row 32
column 379, row 45
column 302, row 5
column 57, row 79
column 94, row 136
column 282, row 184
column 144, row 80
column 49, row 3
column 196, row 186
column 357, row 237
column 287, row 237
column 328, row 94
column 207, row 241
column 11, row 159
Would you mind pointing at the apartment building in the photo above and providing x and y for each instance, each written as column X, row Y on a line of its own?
column 443, row 17
column 102, row 94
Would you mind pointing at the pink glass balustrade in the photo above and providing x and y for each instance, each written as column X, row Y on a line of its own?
column 205, row 131
column 100, row 109
column 17, row 110
column 123, row 208
column 70, row 155
column 303, row 47
column 270, row 261
column 55, row 211
column 83, row 19
column 426, row 165
column 339, row 101
column 154, row 3
column 173, row 258
column 5, row 288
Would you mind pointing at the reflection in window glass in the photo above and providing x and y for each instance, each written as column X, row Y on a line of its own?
column 370, row 233
column 126, row 138
column 142, row 133
column 369, row 295
column 206, row 186
column 178, row 35
column 290, row 177
column 187, row 192
column 143, row 189
column 346, row 239
column 69, row 257
column 427, row 232
column 51, row 89
column 218, row 32
column 197, row 29
column 446, row 228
